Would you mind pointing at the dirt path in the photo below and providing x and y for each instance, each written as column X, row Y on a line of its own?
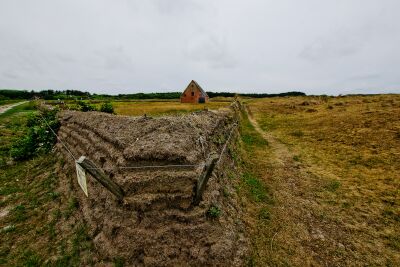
column 282, row 153
column 10, row 106
column 298, row 234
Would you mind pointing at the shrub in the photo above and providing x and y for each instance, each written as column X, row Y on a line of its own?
column 107, row 107
column 39, row 138
column 84, row 106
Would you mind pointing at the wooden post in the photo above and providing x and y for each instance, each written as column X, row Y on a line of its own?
column 102, row 178
column 203, row 179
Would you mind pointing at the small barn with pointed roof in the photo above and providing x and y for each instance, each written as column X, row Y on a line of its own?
column 194, row 94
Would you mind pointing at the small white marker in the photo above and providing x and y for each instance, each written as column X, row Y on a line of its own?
column 81, row 174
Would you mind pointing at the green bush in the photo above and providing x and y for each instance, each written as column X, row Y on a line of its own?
column 84, row 106
column 39, row 139
column 107, row 107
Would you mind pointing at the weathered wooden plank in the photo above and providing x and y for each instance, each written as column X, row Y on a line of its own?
column 102, row 178
column 203, row 179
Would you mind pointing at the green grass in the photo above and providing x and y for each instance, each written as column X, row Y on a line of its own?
column 257, row 189
column 73, row 204
column 26, row 107
column 252, row 141
column 12, row 127
column 19, row 214
column 30, row 233
column 9, row 101
column 249, row 136
column 118, row 262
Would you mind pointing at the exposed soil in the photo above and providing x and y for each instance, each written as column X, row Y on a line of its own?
column 156, row 224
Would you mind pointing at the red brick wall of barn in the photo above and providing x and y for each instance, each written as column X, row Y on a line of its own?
column 187, row 96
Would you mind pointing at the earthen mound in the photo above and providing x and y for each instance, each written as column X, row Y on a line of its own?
column 157, row 162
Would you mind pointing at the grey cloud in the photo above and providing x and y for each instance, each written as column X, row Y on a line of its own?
column 211, row 50
column 116, row 58
column 10, row 76
column 128, row 46
column 176, row 7
column 335, row 45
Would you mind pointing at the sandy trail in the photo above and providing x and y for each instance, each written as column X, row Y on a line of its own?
column 298, row 232
column 282, row 153
column 10, row 106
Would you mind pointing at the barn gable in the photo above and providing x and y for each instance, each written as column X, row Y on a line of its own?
column 194, row 94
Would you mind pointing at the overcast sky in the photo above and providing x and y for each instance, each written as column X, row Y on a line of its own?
column 127, row 46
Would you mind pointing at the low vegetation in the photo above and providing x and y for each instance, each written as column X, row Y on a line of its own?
column 30, row 207
column 39, row 138
column 162, row 108
column 341, row 159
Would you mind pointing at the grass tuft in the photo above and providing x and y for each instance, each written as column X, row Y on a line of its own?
column 257, row 189
column 264, row 214
column 297, row 133
column 332, row 185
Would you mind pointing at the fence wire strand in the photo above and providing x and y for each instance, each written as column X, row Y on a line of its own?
column 59, row 139
column 226, row 144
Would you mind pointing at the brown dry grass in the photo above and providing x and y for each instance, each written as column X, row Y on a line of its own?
column 140, row 108
column 333, row 169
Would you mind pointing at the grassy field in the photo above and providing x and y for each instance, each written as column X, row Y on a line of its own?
column 332, row 166
column 7, row 102
column 30, row 206
column 320, row 184
column 162, row 108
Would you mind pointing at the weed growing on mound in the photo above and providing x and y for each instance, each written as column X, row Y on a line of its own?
column 39, row 139
column 214, row 212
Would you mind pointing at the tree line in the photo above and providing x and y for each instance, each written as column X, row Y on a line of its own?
column 76, row 94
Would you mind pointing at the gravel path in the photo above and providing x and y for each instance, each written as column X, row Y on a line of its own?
column 10, row 106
